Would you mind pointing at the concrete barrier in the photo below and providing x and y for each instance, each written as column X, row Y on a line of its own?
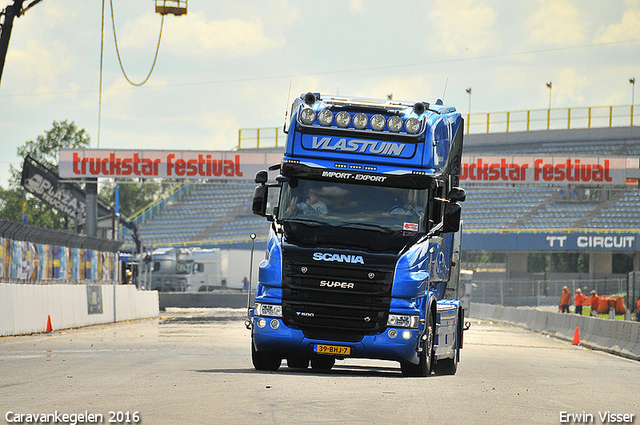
column 25, row 308
column 223, row 298
column 614, row 336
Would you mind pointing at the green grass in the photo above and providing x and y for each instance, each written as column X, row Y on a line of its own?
column 586, row 311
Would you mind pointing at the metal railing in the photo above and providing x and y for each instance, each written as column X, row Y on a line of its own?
column 494, row 122
column 551, row 119
column 254, row 137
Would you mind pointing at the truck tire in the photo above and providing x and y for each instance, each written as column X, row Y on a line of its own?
column 425, row 366
column 298, row 362
column 448, row 366
column 322, row 362
column 264, row 360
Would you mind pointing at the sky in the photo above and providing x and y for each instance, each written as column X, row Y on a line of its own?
column 238, row 64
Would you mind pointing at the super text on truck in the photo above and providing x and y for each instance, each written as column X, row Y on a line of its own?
column 362, row 257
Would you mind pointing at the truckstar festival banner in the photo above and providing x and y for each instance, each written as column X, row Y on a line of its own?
column 558, row 170
column 170, row 164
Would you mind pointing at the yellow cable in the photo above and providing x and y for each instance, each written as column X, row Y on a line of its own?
column 115, row 39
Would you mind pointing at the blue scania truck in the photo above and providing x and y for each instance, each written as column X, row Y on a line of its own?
column 363, row 253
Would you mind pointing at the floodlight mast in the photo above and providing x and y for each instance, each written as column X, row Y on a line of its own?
column 10, row 12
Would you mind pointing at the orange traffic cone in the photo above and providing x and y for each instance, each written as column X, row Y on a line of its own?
column 49, row 328
column 576, row 337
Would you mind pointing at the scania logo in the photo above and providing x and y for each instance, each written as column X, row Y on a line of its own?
column 304, row 314
column 340, row 258
column 303, row 269
column 336, row 284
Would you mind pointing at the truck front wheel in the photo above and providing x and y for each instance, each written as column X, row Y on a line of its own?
column 264, row 360
column 424, row 367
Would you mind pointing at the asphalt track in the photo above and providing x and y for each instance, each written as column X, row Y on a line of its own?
column 193, row 366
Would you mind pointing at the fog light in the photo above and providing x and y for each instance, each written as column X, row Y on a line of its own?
column 262, row 323
column 406, row 334
column 392, row 333
column 343, row 119
column 395, row 124
column 360, row 121
column 308, row 116
column 325, row 117
column 275, row 324
column 377, row 122
column 412, row 125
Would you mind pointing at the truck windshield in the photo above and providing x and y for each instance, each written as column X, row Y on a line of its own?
column 378, row 208
column 183, row 267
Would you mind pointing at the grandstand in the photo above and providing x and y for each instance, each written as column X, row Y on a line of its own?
column 529, row 207
column 215, row 212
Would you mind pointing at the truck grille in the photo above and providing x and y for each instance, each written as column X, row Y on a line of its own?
column 336, row 301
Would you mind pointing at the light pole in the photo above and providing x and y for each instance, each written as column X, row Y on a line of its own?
column 632, row 81
column 549, row 85
column 469, row 113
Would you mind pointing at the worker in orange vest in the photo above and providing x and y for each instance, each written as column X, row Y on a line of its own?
column 579, row 299
column 594, row 303
column 565, row 300
column 638, row 311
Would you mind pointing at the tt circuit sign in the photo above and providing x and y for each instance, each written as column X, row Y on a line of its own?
column 543, row 241
column 129, row 163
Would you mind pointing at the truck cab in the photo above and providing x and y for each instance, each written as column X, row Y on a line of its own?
column 362, row 255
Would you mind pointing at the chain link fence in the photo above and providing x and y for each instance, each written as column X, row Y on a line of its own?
column 534, row 293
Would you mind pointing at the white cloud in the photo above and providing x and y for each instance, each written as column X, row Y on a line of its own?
column 556, row 23
column 195, row 35
column 628, row 28
column 462, row 25
column 38, row 66
column 569, row 88
column 357, row 5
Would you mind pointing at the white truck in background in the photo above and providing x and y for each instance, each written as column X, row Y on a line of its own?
column 184, row 270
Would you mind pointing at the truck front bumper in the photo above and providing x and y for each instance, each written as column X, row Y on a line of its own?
column 271, row 334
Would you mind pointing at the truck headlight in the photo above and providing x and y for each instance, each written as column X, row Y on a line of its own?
column 403, row 321
column 269, row 310
column 308, row 116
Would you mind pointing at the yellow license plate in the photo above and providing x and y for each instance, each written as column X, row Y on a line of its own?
column 332, row 349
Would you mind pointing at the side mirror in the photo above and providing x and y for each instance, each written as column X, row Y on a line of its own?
column 451, row 219
column 261, row 177
column 259, row 206
column 457, row 194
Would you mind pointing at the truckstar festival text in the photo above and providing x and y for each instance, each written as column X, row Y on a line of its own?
column 75, row 163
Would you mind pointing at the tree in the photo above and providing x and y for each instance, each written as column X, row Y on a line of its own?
column 45, row 150
column 135, row 194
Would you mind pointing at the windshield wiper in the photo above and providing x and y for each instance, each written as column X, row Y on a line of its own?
column 308, row 221
column 357, row 225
